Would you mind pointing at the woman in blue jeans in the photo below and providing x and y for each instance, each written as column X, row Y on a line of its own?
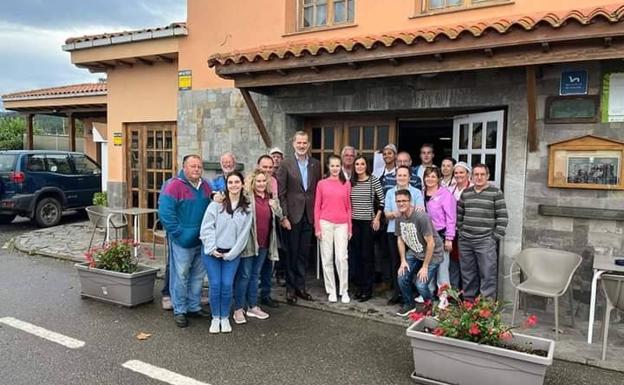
column 262, row 244
column 224, row 234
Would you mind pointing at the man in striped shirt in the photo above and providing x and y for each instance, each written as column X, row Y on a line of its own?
column 481, row 221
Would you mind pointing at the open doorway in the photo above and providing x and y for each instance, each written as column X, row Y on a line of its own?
column 414, row 133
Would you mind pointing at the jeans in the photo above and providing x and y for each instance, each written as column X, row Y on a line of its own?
column 395, row 262
column 266, row 273
column 165, row 289
column 246, row 281
column 221, row 281
column 186, row 278
column 407, row 279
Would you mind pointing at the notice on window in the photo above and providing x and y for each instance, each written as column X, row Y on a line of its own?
column 615, row 101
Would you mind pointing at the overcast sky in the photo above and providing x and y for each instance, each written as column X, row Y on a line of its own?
column 33, row 31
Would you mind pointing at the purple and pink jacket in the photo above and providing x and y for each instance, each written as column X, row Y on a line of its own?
column 442, row 209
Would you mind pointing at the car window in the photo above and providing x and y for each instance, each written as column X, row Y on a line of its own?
column 84, row 165
column 7, row 162
column 36, row 162
column 58, row 164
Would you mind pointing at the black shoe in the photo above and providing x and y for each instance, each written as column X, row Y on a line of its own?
column 365, row 297
column 358, row 295
column 180, row 320
column 199, row 314
column 303, row 295
column 291, row 298
column 270, row 302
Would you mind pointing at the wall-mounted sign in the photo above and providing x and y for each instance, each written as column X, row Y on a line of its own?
column 117, row 139
column 185, row 80
column 573, row 83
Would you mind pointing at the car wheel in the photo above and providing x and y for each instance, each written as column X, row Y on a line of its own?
column 6, row 219
column 48, row 212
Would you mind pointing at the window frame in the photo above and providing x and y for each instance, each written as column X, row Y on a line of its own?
column 329, row 15
column 422, row 6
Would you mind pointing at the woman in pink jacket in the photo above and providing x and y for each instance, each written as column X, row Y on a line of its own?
column 332, row 226
column 442, row 209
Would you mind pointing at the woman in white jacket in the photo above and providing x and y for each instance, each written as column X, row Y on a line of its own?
column 224, row 234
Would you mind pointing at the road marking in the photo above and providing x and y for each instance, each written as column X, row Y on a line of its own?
column 160, row 374
column 69, row 342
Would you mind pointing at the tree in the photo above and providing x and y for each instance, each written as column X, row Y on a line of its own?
column 12, row 133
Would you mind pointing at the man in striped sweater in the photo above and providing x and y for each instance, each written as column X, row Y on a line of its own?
column 481, row 221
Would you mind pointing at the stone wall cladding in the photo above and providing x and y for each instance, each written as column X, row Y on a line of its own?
column 583, row 236
column 213, row 121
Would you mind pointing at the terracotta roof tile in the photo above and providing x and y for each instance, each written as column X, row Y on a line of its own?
column 122, row 33
column 85, row 89
column 612, row 13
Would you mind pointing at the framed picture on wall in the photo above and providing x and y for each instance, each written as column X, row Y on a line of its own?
column 588, row 162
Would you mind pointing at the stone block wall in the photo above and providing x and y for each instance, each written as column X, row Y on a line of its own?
column 583, row 236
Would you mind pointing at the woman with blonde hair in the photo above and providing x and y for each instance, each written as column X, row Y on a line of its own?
column 262, row 244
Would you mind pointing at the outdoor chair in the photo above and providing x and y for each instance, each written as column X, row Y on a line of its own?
column 613, row 289
column 547, row 273
column 159, row 234
column 98, row 216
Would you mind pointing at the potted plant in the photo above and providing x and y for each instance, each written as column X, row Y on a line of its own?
column 113, row 274
column 462, row 342
column 100, row 199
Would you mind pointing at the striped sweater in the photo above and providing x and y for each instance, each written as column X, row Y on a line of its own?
column 363, row 196
column 482, row 214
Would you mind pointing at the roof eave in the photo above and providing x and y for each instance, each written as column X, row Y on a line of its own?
column 137, row 36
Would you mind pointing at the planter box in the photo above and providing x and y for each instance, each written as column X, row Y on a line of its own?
column 118, row 288
column 443, row 360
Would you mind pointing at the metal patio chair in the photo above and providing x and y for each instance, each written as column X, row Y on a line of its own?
column 159, row 233
column 547, row 273
column 613, row 289
column 98, row 216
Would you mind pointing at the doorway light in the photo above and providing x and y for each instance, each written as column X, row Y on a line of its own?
column 444, row 138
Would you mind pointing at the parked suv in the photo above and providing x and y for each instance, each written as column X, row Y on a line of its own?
column 41, row 184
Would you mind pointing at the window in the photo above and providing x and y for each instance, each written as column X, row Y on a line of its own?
column 36, row 163
column 85, row 166
column 438, row 6
column 325, row 13
column 58, row 164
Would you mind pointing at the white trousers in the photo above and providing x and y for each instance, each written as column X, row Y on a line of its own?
column 335, row 237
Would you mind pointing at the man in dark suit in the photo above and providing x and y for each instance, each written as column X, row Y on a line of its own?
column 297, row 178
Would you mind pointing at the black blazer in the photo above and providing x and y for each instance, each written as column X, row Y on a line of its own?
column 293, row 198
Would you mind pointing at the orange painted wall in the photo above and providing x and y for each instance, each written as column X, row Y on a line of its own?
column 138, row 94
column 221, row 26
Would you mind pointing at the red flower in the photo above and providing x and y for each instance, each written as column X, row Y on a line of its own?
column 443, row 289
column 474, row 330
column 438, row 332
column 485, row 313
column 468, row 305
column 506, row 335
column 531, row 321
column 415, row 316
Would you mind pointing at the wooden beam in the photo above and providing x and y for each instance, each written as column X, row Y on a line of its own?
column 145, row 61
column 282, row 72
column 315, row 69
column 466, row 61
column 438, row 56
column 72, row 132
column 253, row 110
column 29, row 132
column 514, row 38
column 394, row 62
column 545, row 47
column 124, row 63
column 531, row 84
column 607, row 42
column 353, row 65
column 165, row 59
column 488, row 52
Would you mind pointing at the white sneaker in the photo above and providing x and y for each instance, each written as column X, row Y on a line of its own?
column 256, row 312
column 419, row 299
column 332, row 297
column 166, row 303
column 215, row 325
column 239, row 317
column 345, row 298
column 225, row 325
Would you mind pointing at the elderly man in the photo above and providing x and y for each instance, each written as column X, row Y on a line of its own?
column 481, row 221
column 181, row 207
column 404, row 159
column 348, row 155
column 297, row 179
column 228, row 164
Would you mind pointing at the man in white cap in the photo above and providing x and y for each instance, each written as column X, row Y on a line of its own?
column 278, row 155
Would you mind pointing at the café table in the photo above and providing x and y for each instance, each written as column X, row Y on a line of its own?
column 135, row 213
column 602, row 264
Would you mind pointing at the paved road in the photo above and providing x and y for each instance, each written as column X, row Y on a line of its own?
column 295, row 346
column 21, row 225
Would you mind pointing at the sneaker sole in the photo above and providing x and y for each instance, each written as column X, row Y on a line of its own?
column 406, row 313
column 240, row 322
column 251, row 315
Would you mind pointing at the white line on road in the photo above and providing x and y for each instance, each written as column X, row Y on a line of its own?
column 43, row 333
column 160, row 374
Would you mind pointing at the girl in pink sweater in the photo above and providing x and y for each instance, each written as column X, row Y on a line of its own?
column 332, row 226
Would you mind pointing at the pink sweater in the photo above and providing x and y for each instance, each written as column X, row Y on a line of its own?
column 332, row 203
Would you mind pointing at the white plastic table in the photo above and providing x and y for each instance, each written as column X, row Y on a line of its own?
column 602, row 264
column 135, row 213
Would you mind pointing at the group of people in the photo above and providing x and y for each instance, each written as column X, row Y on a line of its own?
column 418, row 227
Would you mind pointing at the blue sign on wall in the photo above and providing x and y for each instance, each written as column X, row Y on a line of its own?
column 573, row 83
